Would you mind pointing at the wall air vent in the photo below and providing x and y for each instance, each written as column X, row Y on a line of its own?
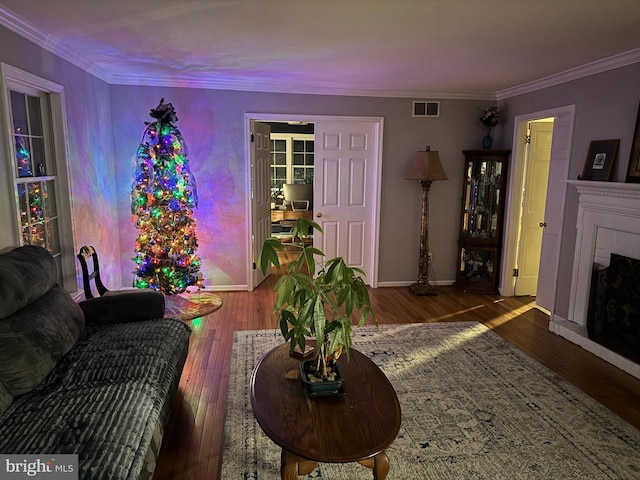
column 424, row 108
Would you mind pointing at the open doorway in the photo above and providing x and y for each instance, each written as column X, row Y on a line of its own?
column 546, row 257
column 537, row 156
column 347, row 161
column 292, row 147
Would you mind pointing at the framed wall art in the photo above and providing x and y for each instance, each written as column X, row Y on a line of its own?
column 600, row 159
column 633, row 170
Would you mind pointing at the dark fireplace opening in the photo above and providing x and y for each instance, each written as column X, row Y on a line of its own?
column 613, row 318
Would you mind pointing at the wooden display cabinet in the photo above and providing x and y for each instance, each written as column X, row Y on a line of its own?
column 482, row 218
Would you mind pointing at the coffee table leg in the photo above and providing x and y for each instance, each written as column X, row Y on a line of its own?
column 291, row 466
column 379, row 463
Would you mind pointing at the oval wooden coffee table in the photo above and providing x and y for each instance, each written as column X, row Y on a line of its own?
column 355, row 427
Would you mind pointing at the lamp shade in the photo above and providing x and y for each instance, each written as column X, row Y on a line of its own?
column 426, row 167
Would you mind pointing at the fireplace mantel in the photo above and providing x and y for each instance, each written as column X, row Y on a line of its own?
column 608, row 222
column 629, row 191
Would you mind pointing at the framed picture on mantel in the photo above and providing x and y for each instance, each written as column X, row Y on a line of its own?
column 633, row 171
column 600, row 159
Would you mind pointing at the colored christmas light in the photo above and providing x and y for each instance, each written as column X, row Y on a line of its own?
column 163, row 195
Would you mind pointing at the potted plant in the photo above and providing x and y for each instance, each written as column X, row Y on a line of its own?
column 317, row 301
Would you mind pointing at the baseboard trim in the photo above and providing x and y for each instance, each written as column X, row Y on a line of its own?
column 578, row 334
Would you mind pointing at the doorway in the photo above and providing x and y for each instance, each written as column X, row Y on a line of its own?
column 332, row 133
column 532, row 205
column 558, row 170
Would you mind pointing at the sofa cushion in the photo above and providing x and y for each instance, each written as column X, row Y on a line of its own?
column 34, row 338
column 26, row 273
column 104, row 399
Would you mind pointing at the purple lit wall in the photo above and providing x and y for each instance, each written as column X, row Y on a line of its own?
column 212, row 124
column 90, row 152
column 105, row 123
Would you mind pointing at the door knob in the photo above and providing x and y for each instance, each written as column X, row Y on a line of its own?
column 543, row 224
column 319, row 214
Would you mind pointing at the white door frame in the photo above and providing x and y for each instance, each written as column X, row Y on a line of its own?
column 376, row 181
column 556, row 188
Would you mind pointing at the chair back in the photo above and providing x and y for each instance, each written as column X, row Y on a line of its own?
column 86, row 253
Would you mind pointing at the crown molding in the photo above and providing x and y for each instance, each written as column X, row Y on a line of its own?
column 610, row 63
column 208, row 82
column 16, row 24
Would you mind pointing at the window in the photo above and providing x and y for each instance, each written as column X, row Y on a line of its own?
column 35, row 117
column 292, row 159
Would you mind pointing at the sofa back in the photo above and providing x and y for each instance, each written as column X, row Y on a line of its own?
column 39, row 321
column 26, row 273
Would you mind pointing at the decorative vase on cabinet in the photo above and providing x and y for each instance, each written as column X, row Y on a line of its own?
column 480, row 236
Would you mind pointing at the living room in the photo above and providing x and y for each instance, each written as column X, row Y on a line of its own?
column 104, row 121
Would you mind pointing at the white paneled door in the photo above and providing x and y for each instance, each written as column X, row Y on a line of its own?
column 345, row 163
column 260, row 192
column 533, row 208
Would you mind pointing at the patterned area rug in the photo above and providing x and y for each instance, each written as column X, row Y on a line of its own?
column 188, row 306
column 473, row 406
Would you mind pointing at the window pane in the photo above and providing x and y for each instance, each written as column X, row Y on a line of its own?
column 280, row 145
column 35, row 202
column 298, row 159
column 37, row 235
column 39, row 161
column 19, row 112
column 309, row 146
column 23, row 205
column 310, row 159
column 23, row 157
column 53, row 236
column 298, row 146
column 281, row 159
column 298, row 175
column 50, row 200
column 308, row 175
column 26, row 236
column 281, row 172
column 35, row 118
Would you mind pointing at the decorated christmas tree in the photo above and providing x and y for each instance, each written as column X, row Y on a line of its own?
column 163, row 195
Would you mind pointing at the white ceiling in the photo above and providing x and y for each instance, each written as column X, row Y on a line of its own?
column 411, row 48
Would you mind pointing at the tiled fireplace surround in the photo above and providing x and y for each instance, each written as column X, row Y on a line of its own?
column 608, row 222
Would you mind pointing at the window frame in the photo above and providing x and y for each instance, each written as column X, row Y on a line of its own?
column 12, row 78
column 289, row 138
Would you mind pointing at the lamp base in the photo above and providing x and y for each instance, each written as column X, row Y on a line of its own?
column 426, row 289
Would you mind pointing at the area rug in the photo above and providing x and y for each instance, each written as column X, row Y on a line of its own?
column 187, row 306
column 473, row 407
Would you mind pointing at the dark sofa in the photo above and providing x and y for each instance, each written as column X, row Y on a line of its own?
column 95, row 378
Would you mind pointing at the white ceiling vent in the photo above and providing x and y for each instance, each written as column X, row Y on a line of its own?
column 424, row 108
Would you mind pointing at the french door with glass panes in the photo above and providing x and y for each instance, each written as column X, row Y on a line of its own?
column 291, row 159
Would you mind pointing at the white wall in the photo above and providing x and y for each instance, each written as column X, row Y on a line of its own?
column 606, row 108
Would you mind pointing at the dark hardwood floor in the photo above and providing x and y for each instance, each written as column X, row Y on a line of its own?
column 192, row 444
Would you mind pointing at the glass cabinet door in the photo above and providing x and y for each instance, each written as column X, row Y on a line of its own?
column 483, row 194
column 480, row 239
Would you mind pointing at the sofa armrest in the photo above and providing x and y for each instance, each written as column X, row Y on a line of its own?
column 123, row 308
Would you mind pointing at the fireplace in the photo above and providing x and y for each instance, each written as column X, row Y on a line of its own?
column 613, row 318
column 608, row 223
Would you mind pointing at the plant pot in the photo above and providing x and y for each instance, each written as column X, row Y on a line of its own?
column 317, row 387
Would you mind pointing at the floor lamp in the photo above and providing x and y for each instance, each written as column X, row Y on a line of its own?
column 426, row 168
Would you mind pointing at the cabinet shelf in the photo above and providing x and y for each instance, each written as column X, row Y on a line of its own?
column 481, row 222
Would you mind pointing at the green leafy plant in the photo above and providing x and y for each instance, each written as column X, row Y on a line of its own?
column 317, row 300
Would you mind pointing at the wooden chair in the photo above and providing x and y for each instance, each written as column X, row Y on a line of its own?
column 86, row 253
